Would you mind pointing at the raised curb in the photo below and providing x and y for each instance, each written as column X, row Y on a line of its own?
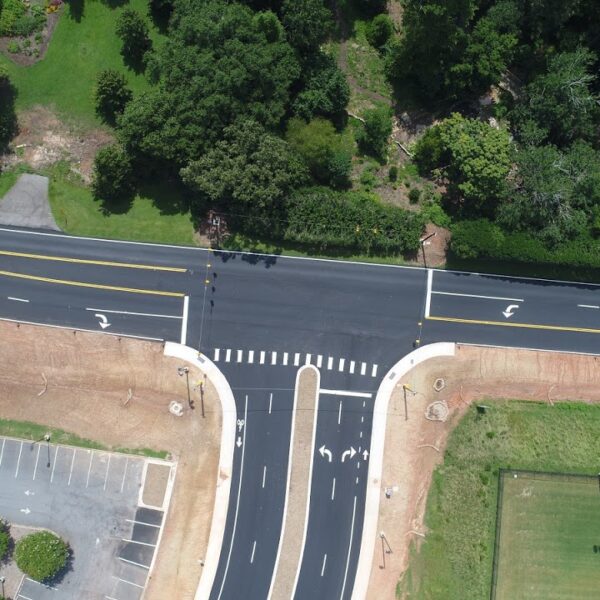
column 223, row 487
column 380, row 410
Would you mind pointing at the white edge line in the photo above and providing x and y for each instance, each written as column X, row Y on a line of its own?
column 349, row 549
column 428, row 295
column 461, row 295
column 310, row 474
column 289, row 472
column 114, row 334
column 225, row 468
column 375, row 469
column 345, row 393
column 184, row 320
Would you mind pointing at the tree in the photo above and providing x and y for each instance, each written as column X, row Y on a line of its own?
column 111, row 95
column 375, row 131
column 323, row 150
column 41, row 555
column 371, row 7
column 559, row 106
column 8, row 117
column 472, row 157
column 133, row 31
column 307, row 23
column 5, row 540
column 379, row 31
column 113, row 179
column 324, row 89
column 250, row 172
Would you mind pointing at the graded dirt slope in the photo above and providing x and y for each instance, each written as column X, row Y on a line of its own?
column 117, row 391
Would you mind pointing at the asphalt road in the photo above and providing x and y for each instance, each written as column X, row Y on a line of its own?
column 259, row 318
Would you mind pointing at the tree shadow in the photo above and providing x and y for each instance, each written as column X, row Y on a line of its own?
column 135, row 63
column 115, row 3
column 116, row 206
column 76, row 9
column 52, row 582
column 169, row 195
column 9, row 126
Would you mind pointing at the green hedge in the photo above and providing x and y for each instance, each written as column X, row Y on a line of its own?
column 323, row 218
column 483, row 239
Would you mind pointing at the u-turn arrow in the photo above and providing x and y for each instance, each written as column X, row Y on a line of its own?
column 509, row 311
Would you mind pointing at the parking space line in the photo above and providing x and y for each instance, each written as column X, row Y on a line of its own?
column 19, row 460
column 250, row 356
column 54, row 465
column 89, row 468
column 24, row 597
column 107, row 469
column 124, row 473
column 36, row 463
column 138, row 542
column 131, row 583
column 44, row 585
column 134, row 563
column 2, row 451
column 142, row 523
column 110, row 598
column 72, row 463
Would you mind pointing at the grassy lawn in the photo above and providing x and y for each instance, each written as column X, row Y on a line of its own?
column 83, row 43
column 550, row 528
column 33, row 431
column 455, row 560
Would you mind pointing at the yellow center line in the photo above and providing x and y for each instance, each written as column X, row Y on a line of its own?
column 98, row 286
column 521, row 325
column 85, row 261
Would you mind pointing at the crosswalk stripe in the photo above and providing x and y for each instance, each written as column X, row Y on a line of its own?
column 228, row 355
column 296, row 359
column 250, row 356
column 217, row 354
column 240, row 355
column 285, row 359
column 374, row 371
column 319, row 361
column 262, row 357
column 363, row 368
column 342, row 363
column 273, row 358
column 352, row 364
column 330, row 363
column 308, row 357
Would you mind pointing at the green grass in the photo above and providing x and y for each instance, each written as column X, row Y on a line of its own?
column 455, row 560
column 32, row 431
column 79, row 49
column 549, row 528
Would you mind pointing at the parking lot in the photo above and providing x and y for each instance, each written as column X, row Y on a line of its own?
column 92, row 499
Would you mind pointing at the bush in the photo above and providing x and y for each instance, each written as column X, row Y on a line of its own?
column 5, row 540
column 352, row 221
column 474, row 239
column 12, row 10
column 373, row 136
column 414, row 195
column 379, row 31
column 113, row 179
column 41, row 555
column 133, row 31
column 393, row 173
column 111, row 95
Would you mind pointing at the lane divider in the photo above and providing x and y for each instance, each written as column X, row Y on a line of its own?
column 85, row 261
column 513, row 324
column 98, row 286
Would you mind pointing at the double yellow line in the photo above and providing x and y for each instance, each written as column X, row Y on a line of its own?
column 518, row 325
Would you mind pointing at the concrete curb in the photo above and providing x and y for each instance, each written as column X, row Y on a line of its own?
column 221, row 505
column 380, row 410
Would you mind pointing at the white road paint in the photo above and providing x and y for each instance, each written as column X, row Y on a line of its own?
column 349, row 549
column 296, row 359
column 36, row 462
column 308, row 358
column 270, row 402
column 374, row 371
column 333, row 489
column 184, row 320
column 285, row 359
column 19, row 460
column 251, row 356
column 264, row 475
column 509, row 310
column 345, row 393
column 103, row 320
column 54, row 466
column 330, row 363
column 2, row 451
column 17, row 299
column 351, row 452
column 228, row 355
column 363, row 368
column 262, row 357
column 352, row 365
column 240, row 355
column 324, row 563
column 124, row 473
column 428, row 294
column 217, row 354
column 273, row 358
column 325, row 451
column 588, row 306
column 105, row 474
column 71, row 471
column 130, row 583
column 360, row 435
column 131, row 562
column 319, row 361
column 340, row 413
column 137, row 314
column 478, row 296
column 342, row 363
column 253, row 551
column 89, row 469
column 237, row 504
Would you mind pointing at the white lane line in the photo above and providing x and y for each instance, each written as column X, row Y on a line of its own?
column 360, row 435
column 240, row 355
column 478, row 296
column 262, row 357
column 296, row 359
column 106, row 474
column 340, row 413
column 184, row 320
column 264, row 476
column 333, row 489
column 588, row 306
column 270, row 402
column 349, row 549
column 330, row 363
column 124, row 473
column 342, row 363
column 345, row 393
column 352, row 365
column 363, row 368
column 374, row 371
column 250, row 356
column 19, row 460
column 356, row 482
column 228, row 355
column 285, row 359
column 253, row 551
column 319, row 361
column 364, row 403
column 17, row 299
column 428, row 294
column 71, row 471
column 324, row 563
column 2, row 451
column 237, row 503
column 36, row 463
column 273, row 358
column 308, row 357
column 217, row 354
column 137, row 314
column 362, row 419
column 89, row 468
column 54, row 464
column 358, row 465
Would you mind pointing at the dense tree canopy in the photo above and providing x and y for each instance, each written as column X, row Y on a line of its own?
column 307, row 23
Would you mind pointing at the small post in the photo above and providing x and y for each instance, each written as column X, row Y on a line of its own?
column 202, row 395
column 382, row 550
column 2, row 580
column 47, row 440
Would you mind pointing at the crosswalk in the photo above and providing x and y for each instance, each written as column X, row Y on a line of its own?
column 294, row 359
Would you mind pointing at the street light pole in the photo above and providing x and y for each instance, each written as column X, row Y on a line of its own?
column 422, row 242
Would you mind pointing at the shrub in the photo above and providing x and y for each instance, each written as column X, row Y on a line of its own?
column 41, row 555
column 133, row 31
column 12, row 10
column 414, row 195
column 4, row 540
column 113, row 175
column 111, row 95
column 393, row 173
column 373, row 135
column 13, row 47
column 379, row 31
column 473, row 239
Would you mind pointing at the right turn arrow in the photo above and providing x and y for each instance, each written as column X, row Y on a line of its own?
column 350, row 453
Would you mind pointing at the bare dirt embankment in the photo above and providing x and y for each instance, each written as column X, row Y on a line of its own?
column 116, row 391
column 414, row 446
